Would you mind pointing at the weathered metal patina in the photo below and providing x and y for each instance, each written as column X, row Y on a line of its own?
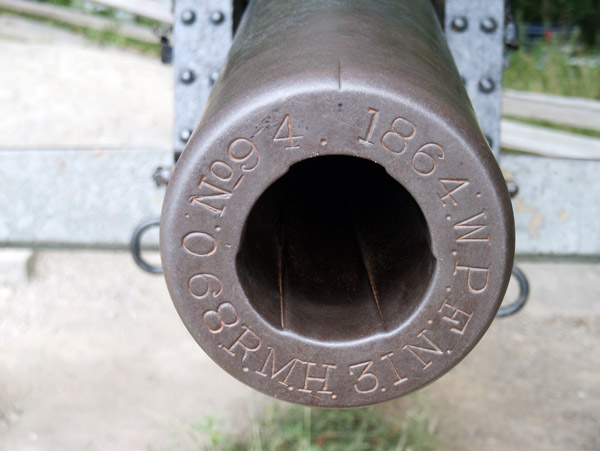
column 337, row 232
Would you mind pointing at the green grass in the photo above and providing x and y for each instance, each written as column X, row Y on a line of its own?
column 282, row 427
column 104, row 37
column 546, row 68
column 565, row 128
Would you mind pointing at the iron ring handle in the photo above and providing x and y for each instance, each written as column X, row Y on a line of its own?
column 135, row 246
column 513, row 308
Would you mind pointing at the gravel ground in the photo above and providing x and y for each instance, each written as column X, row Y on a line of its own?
column 533, row 382
column 93, row 355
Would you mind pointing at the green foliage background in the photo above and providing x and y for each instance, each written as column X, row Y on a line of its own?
column 583, row 13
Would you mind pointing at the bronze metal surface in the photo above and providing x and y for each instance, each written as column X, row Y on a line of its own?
column 337, row 232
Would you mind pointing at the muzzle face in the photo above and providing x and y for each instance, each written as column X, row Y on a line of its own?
column 337, row 236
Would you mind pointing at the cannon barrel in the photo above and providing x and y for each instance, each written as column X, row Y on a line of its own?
column 337, row 232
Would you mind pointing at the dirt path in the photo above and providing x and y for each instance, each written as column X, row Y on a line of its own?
column 59, row 90
column 534, row 380
column 93, row 356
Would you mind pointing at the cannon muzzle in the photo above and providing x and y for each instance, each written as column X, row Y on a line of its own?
column 337, row 232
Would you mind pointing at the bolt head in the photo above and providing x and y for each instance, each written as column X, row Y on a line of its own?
column 513, row 188
column 185, row 135
column 487, row 85
column 459, row 24
column 188, row 17
column 489, row 25
column 161, row 176
column 187, row 76
column 213, row 77
column 217, row 18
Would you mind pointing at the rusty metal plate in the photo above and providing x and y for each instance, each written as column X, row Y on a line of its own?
column 337, row 232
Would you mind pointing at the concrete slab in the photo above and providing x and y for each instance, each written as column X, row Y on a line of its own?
column 16, row 265
column 557, row 210
column 78, row 197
